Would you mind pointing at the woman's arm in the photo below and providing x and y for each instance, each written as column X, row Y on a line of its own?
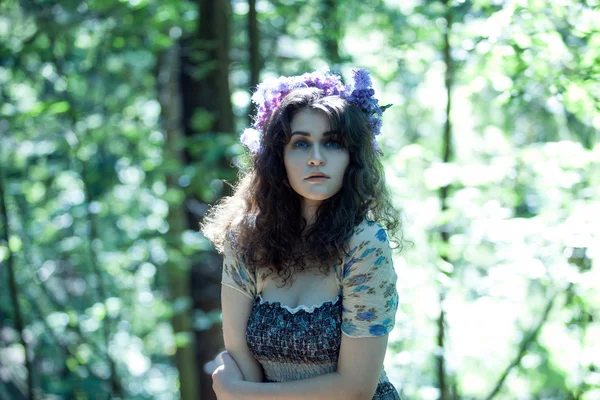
column 359, row 366
column 327, row 386
column 236, row 307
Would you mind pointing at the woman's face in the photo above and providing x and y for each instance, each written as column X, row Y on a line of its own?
column 311, row 150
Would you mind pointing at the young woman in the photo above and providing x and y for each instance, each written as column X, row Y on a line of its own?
column 308, row 286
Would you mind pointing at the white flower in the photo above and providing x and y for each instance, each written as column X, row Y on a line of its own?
column 251, row 138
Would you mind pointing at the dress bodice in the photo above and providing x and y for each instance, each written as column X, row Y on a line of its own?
column 300, row 343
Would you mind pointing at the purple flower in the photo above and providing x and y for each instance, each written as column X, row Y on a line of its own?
column 251, row 138
column 270, row 93
column 362, row 80
column 375, row 125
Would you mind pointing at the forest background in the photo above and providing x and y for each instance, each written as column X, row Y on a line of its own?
column 119, row 127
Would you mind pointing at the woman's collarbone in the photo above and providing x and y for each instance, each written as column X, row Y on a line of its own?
column 308, row 290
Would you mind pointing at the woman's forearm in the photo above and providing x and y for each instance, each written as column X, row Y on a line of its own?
column 330, row 386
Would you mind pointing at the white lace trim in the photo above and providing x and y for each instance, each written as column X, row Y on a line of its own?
column 294, row 310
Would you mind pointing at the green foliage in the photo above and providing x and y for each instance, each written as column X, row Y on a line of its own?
column 513, row 257
column 82, row 155
column 522, row 183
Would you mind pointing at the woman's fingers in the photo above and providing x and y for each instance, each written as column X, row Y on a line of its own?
column 213, row 364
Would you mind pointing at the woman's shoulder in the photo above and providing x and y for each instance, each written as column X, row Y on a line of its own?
column 368, row 231
column 368, row 240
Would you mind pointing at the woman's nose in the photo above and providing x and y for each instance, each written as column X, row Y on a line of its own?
column 316, row 156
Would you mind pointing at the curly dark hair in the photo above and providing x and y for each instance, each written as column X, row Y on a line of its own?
column 263, row 216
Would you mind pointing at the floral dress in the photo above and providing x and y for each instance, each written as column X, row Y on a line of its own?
column 303, row 342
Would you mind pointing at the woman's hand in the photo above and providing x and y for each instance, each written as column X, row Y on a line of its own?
column 225, row 377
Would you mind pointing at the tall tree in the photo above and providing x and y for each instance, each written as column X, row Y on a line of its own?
column 207, row 115
column 177, row 268
column 254, row 59
column 447, row 156
column 12, row 283
column 330, row 19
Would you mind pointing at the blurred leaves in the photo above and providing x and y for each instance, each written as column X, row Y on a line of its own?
column 81, row 132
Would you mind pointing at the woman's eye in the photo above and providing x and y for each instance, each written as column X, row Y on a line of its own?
column 335, row 144
column 302, row 144
column 299, row 142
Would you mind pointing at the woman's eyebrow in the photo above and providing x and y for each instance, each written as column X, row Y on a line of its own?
column 302, row 133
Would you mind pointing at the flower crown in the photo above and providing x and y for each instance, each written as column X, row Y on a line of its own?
column 271, row 92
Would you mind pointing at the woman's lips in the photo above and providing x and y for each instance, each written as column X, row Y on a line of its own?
column 317, row 179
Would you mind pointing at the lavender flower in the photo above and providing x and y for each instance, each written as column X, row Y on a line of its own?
column 362, row 79
column 270, row 93
column 375, row 125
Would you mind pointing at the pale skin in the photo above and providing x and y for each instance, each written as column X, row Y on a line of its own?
column 309, row 150
column 360, row 359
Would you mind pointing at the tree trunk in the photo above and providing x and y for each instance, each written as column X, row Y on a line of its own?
column 176, row 269
column 254, row 60
column 205, row 89
column 332, row 33
column 443, row 193
column 18, row 318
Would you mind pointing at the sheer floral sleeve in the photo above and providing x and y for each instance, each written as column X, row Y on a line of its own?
column 235, row 272
column 369, row 280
